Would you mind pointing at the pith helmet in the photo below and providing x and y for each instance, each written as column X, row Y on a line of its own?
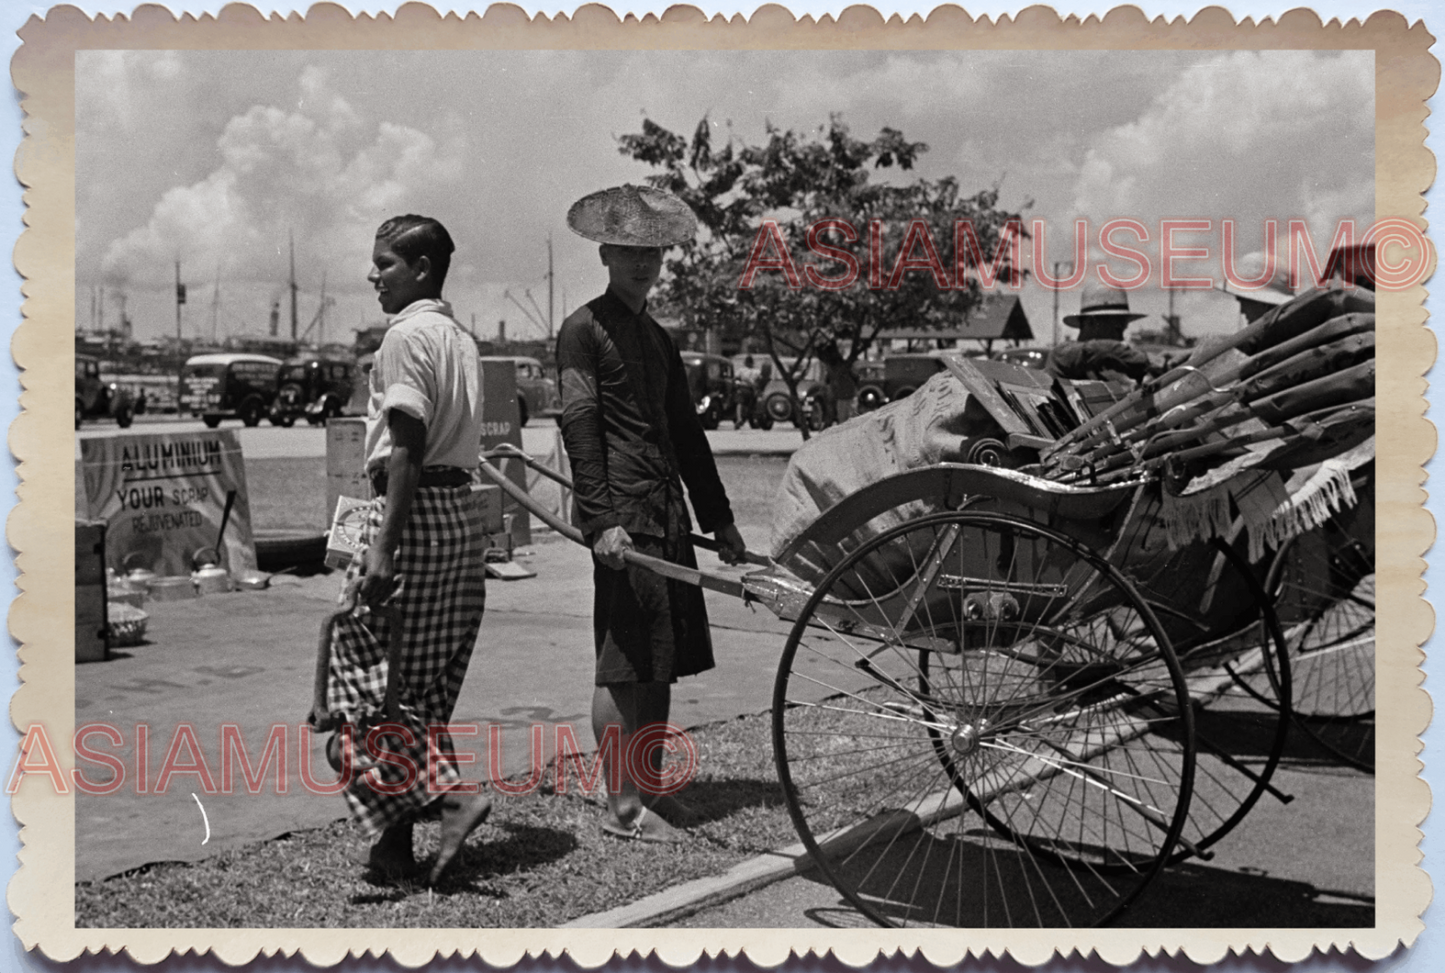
column 633, row 216
column 1099, row 300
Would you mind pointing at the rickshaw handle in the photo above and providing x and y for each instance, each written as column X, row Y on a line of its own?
column 508, row 451
column 693, row 576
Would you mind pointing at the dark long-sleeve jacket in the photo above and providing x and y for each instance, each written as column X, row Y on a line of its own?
column 629, row 425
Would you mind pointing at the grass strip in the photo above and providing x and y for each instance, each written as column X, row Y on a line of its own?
column 540, row 861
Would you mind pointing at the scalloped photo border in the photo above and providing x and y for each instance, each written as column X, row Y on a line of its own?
column 42, row 891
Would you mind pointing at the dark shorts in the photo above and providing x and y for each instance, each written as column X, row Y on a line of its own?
column 648, row 628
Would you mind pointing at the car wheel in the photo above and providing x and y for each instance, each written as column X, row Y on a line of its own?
column 124, row 417
column 904, row 392
column 211, row 422
column 285, row 422
column 870, row 397
column 779, row 408
column 251, row 413
column 331, row 411
column 522, row 415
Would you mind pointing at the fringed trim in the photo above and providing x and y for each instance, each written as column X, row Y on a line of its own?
column 1199, row 515
column 1323, row 495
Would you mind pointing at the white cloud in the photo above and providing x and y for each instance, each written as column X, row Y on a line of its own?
column 1246, row 135
column 320, row 169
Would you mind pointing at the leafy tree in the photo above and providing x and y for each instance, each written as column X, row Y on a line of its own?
column 794, row 182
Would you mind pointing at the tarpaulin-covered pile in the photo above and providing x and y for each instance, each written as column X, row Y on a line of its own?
column 1265, row 425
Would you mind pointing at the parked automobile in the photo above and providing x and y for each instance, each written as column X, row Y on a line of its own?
column 775, row 402
column 96, row 398
column 318, row 389
column 903, row 374
column 229, row 386
column 1028, row 357
column 710, row 379
column 870, row 385
column 536, row 393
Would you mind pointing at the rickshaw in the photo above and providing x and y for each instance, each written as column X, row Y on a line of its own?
column 1017, row 679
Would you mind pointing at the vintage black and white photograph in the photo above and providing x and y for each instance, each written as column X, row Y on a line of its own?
column 726, row 489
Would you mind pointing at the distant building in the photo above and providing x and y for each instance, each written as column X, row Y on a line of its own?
column 997, row 318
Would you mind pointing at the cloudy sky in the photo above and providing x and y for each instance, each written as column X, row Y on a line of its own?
column 214, row 158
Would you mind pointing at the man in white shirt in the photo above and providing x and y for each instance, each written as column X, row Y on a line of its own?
column 422, row 556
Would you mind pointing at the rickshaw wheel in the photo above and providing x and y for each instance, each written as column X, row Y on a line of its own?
column 1323, row 583
column 1222, row 626
column 1003, row 738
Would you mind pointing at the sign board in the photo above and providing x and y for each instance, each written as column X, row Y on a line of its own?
column 501, row 423
column 162, row 497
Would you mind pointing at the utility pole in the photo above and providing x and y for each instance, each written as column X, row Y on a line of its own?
column 180, row 355
column 291, row 235
column 551, row 277
column 215, row 303
column 1059, row 266
column 1056, row 303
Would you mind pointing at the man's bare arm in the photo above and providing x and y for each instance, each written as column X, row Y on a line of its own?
column 403, row 473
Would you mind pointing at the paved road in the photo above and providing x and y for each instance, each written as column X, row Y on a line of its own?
column 301, row 441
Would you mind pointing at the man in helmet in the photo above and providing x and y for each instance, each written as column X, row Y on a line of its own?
column 633, row 440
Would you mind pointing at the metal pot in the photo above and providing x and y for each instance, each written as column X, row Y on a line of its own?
column 211, row 579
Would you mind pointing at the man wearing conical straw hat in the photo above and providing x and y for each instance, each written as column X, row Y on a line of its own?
column 634, row 440
column 1099, row 352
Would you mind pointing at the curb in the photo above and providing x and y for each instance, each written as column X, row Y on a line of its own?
column 701, row 893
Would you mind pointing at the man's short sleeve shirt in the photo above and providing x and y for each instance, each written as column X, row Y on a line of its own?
column 427, row 368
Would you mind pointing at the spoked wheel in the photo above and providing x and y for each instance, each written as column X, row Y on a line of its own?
column 978, row 722
column 1223, row 629
column 1324, row 587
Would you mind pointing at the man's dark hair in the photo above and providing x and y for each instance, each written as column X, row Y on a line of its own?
column 412, row 236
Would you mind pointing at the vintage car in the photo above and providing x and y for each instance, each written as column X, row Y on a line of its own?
column 710, row 379
column 536, row 393
column 870, row 384
column 778, row 407
column 96, row 398
column 318, row 389
column 1028, row 357
column 229, row 386
column 903, row 374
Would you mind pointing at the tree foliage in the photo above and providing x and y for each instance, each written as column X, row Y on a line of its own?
column 798, row 180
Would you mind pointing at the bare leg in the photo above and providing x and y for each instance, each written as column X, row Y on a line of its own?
column 630, row 706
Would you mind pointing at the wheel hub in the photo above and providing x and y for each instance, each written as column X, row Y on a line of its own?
column 965, row 739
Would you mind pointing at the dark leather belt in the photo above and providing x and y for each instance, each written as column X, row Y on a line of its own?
column 431, row 476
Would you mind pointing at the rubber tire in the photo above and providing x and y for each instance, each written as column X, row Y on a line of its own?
column 251, row 413
column 124, row 417
column 284, row 422
column 778, row 408
column 522, row 414
column 212, row 422
column 763, row 422
column 828, row 803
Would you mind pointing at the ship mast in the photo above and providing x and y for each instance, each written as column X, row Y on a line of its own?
column 291, row 235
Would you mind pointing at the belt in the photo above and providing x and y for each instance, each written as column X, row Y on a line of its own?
column 431, row 476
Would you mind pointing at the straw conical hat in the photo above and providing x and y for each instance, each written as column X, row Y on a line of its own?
column 1099, row 300
column 633, row 216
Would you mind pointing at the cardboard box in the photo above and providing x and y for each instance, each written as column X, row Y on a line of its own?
column 343, row 541
column 490, row 496
column 345, row 460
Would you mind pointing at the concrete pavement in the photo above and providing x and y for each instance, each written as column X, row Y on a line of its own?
column 245, row 660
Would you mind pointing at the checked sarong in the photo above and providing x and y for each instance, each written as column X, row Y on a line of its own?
column 440, row 595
